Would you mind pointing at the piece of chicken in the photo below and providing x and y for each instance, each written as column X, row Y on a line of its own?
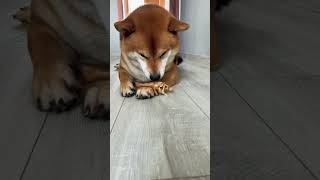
column 157, row 86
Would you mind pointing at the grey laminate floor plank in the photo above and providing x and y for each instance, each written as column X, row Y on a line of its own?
column 189, row 178
column 70, row 147
column 269, row 52
column 165, row 137
column 19, row 127
column 291, row 108
column 278, row 34
column 195, row 79
column 244, row 146
column 162, row 137
column 20, row 121
column 116, row 100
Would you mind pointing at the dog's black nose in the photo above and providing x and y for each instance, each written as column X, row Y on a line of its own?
column 154, row 77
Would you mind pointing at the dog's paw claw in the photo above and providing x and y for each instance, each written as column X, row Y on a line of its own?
column 52, row 93
column 96, row 103
column 146, row 93
column 99, row 111
column 143, row 96
column 54, row 105
column 56, row 100
column 128, row 93
column 127, row 89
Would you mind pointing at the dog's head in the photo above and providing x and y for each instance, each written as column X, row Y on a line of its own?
column 149, row 41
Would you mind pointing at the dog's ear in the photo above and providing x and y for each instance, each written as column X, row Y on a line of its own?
column 125, row 27
column 175, row 25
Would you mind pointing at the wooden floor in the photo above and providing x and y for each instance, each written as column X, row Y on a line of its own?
column 164, row 137
column 266, row 111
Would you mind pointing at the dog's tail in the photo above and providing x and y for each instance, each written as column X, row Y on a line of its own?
column 22, row 15
column 221, row 3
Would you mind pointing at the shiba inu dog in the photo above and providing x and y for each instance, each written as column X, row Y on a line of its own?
column 149, row 45
column 68, row 44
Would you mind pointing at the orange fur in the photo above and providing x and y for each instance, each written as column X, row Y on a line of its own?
column 149, row 31
column 58, row 73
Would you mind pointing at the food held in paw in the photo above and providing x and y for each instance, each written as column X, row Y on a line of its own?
column 159, row 87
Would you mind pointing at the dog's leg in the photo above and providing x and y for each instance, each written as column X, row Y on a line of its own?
column 171, row 77
column 146, row 92
column 96, row 101
column 151, row 89
column 90, row 73
column 127, row 88
column 53, row 79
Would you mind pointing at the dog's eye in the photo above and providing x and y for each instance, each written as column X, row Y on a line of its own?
column 143, row 55
column 164, row 53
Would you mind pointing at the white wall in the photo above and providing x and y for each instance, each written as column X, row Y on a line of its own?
column 114, row 34
column 196, row 40
column 132, row 5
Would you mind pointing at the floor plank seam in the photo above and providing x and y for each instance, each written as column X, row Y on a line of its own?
column 302, row 78
column 115, row 120
column 188, row 177
column 196, row 104
column 270, row 128
column 34, row 146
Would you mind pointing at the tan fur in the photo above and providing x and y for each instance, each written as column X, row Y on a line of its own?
column 149, row 31
column 63, row 34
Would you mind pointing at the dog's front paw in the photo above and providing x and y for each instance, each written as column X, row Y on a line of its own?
column 146, row 93
column 55, row 89
column 23, row 15
column 96, row 102
column 127, row 89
